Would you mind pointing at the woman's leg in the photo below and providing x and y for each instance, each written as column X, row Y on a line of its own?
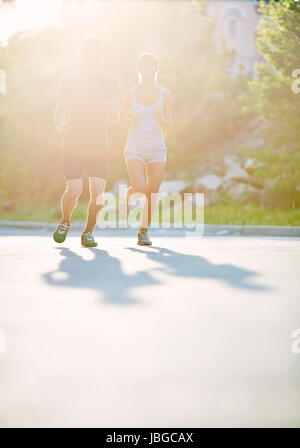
column 155, row 173
column 137, row 178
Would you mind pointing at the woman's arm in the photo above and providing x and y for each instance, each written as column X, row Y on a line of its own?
column 126, row 116
column 165, row 116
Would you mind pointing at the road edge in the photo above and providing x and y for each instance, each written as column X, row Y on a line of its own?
column 209, row 229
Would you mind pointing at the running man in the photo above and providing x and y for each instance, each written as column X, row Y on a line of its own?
column 147, row 110
column 86, row 99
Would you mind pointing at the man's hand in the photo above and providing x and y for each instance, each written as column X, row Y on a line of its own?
column 112, row 109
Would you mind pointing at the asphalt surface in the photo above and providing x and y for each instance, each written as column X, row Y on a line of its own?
column 190, row 332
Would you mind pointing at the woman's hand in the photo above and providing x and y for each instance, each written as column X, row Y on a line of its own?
column 164, row 114
column 64, row 129
column 133, row 119
column 163, row 122
column 63, row 125
column 159, row 114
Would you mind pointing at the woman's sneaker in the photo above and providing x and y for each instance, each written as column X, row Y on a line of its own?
column 87, row 240
column 61, row 232
column 143, row 238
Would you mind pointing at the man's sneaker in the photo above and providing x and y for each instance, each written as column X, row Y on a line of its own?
column 61, row 232
column 143, row 238
column 87, row 240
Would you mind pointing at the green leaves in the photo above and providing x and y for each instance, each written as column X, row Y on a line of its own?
column 278, row 39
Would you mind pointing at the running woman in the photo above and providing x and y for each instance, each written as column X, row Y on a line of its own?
column 86, row 99
column 147, row 109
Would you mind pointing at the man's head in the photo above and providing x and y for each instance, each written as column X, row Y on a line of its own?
column 92, row 52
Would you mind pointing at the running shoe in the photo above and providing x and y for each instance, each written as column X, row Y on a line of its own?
column 61, row 232
column 143, row 238
column 87, row 240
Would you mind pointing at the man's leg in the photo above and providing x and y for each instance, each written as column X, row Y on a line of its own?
column 70, row 198
column 68, row 203
column 97, row 188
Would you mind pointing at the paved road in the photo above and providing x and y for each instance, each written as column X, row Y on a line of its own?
column 187, row 333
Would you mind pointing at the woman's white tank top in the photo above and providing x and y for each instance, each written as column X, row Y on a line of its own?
column 147, row 135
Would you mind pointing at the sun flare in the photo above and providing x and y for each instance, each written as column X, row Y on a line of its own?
column 28, row 15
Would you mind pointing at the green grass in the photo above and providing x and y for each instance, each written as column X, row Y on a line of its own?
column 251, row 214
column 223, row 213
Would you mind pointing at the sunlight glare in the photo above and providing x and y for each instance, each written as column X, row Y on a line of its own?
column 28, row 15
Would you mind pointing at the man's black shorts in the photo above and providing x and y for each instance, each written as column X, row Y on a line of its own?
column 79, row 156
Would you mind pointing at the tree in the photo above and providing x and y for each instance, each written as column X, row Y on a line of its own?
column 278, row 39
column 274, row 98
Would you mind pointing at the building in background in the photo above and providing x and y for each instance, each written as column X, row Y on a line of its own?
column 236, row 21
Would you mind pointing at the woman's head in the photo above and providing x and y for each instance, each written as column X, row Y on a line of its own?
column 147, row 66
column 92, row 51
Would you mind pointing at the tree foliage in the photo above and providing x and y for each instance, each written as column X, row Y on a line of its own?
column 278, row 39
column 275, row 99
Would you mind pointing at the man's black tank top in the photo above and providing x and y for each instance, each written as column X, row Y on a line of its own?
column 85, row 95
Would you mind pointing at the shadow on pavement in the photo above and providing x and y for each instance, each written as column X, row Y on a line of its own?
column 182, row 265
column 102, row 273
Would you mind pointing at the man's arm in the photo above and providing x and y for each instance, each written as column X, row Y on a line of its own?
column 61, row 112
column 113, row 104
column 113, row 110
